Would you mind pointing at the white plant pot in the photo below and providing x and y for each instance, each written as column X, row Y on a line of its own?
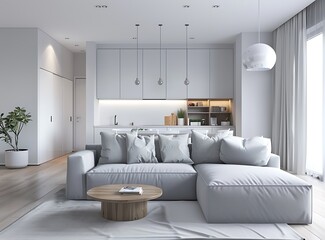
column 16, row 159
column 180, row 121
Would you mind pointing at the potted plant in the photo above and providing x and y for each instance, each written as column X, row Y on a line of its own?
column 180, row 116
column 10, row 129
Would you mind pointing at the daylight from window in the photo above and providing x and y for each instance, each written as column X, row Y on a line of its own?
column 315, row 114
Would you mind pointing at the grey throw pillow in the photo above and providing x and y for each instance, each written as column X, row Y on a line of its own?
column 174, row 149
column 113, row 148
column 252, row 151
column 140, row 149
column 206, row 149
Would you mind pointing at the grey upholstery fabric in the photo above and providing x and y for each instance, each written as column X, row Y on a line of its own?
column 79, row 164
column 113, row 148
column 177, row 180
column 206, row 149
column 140, row 149
column 174, row 149
column 251, row 194
column 245, row 151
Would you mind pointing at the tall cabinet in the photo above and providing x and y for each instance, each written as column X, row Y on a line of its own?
column 55, row 128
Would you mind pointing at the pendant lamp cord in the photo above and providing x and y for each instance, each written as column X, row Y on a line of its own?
column 186, row 50
column 259, row 22
column 137, row 50
column 160, row 49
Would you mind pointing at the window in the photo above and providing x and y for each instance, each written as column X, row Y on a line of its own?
column 315, row 106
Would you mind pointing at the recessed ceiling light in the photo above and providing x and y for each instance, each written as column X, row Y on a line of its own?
column 100, row 6
column 186, row 6
column 216, row 6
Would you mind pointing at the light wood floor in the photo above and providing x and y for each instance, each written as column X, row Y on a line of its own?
column 23, row 189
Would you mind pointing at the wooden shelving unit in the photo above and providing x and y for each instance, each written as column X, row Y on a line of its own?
column 209, row 111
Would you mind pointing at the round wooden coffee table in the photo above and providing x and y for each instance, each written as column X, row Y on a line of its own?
column 124, row 207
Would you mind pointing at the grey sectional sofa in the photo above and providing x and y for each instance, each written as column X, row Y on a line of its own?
column 227, row 193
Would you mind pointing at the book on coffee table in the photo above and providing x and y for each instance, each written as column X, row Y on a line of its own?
column 131, row 190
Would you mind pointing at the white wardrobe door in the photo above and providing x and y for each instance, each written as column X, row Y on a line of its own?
column 46, row 139
column 57, row 116
column 67, row 113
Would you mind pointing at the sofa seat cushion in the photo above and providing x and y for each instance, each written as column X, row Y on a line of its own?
column 177, row 180
column 251, row 194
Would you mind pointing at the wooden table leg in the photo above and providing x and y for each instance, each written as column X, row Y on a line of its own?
column 124, row 211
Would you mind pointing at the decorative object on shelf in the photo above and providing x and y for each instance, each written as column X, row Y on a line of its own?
column 170, row 120
column 180, row 116
column 160, row 81
column 223, row 109
column 137, row 81
column 10, row 129
column 225, row 123
column 259, row 56
column 213, row 121
column 186, row 82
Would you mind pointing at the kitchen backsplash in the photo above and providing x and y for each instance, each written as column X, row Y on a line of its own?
column 140, row 112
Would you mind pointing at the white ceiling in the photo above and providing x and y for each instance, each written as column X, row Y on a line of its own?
column 81, row 21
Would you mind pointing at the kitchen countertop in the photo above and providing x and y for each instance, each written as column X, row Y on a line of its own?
column 159, row 126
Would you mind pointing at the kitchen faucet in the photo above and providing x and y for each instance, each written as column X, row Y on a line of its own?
column 115, row 122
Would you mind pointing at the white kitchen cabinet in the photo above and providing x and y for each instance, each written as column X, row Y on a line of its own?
column 108, row 74
column 176, row 73
column 55, row 109
column 221, row 73
column 198, row 73
column 151, row 72
column 129, row 90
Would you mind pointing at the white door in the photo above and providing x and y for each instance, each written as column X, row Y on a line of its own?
column 80, row 114
column 57, row 116
column 67, row 113
column 46, row 99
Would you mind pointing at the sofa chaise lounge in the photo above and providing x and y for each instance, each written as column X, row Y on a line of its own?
column 227, row 193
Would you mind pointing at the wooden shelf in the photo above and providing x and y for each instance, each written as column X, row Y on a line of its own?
column 197, row 113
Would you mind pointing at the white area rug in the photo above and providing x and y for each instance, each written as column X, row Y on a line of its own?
column 61, row 219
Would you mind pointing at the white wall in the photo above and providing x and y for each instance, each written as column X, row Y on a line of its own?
column 18, row 81
column 91, row 101
column 253, row 92
column 140, row 112
column 79, row 64
column 22, row 52
column 53, row 57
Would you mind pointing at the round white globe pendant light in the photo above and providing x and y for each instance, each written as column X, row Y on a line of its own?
column 259, row 56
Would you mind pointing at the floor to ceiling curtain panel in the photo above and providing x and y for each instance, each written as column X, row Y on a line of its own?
column 315, row 14
column 289, row 109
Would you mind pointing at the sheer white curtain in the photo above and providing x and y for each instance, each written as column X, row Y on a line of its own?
column 289, row 111
column 316, row 31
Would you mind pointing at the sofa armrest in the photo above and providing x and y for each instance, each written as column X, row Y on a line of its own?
column 274, row 161
column 79, row 164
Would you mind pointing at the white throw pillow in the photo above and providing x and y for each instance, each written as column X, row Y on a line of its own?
column 206, row 149
column 252, row 151
column 140, row 149
column 113, row 148
column 174, row 149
